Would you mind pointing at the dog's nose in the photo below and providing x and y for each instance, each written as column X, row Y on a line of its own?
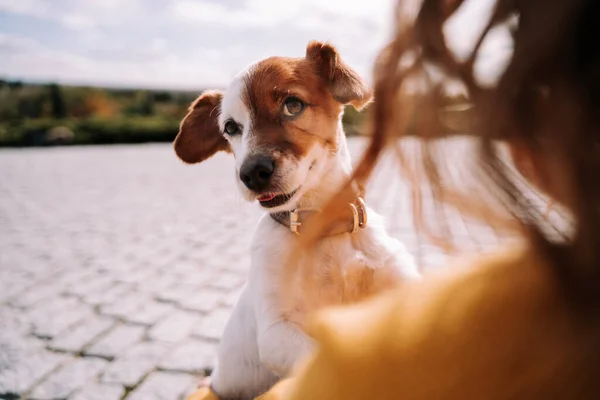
column 256, row 172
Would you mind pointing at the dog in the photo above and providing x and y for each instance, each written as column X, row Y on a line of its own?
column 281, row 119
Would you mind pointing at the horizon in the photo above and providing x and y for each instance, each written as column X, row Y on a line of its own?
column 107, row 85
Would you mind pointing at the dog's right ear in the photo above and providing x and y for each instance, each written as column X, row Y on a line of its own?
column 199, row 136
column 345, row 84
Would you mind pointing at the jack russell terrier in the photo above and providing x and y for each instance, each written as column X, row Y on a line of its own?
column 281, row 119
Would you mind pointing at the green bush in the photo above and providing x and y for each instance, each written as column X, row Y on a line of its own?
column 91, row 131
column 135, row 129
column 353, row 121
column 128, row 130
column 28, row 132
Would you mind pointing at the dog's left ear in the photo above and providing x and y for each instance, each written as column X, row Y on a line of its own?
column 345, row 84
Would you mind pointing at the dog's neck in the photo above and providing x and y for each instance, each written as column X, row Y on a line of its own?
column 336, row 171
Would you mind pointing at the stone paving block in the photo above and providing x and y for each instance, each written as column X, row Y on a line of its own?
column 74, row 340
column 107, row 295
column 129, row 369
column 193, row 356
column 156, row 283
column 237, row 263
column 54, row 306
column 150, row 313
column 12, row 285
column 163, row 259
column 23, row 362
column 164, row 386
column 211, row 326
column 69, row 378
column 223, row 280
column 177, row 292
column 93, row 284
column 99, row 392
column 201, row 300
column 232, row 298
column 14, row 321
column 174, row 328
column 116, row 341
column 139, row 274
column 73, row 277
column 189, row 272
column 124, row 306
column 50, row 325
column 36, row 294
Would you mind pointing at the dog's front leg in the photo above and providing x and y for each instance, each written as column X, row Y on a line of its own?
column 239, row 374
column 281, row 344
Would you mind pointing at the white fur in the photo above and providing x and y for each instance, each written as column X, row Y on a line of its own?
column 260, row 345
column 232, row 107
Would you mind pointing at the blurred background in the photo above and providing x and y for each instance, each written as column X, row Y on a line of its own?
column 124, row 72
column 119, row 264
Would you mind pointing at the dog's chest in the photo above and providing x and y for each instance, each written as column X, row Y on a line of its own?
column 324, row 277
column 337, row 270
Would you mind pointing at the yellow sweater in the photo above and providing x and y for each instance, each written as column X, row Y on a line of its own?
column 495, row 327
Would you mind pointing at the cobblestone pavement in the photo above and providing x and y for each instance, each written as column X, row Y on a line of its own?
column 118, row 266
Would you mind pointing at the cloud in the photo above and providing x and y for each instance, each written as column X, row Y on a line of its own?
column 75, row 14
column 187, row 43
column 26, row 58
column 271, row 13
column 212, row 13
column 268, row 27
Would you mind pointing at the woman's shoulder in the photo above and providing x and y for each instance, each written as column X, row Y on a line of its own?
column 492, row 326
column 488, row 293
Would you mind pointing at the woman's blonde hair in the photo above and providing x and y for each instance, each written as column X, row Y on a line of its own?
column 547, row 99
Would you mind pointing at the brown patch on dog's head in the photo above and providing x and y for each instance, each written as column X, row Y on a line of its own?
column 324, row 84
column 199, row 136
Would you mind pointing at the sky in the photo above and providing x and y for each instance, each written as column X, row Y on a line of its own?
column 197, row 44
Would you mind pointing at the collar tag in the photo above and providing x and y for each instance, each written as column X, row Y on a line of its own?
column 294, row 221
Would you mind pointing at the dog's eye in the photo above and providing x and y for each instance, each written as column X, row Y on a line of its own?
column 292, row 106
column 231, row 128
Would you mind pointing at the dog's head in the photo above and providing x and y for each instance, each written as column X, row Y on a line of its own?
column 280, row 118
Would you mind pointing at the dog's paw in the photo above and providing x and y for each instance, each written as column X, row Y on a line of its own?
column 204, row 382
column 279, row 391
column 204, row 393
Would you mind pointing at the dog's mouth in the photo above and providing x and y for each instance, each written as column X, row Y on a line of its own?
column 270, row 200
